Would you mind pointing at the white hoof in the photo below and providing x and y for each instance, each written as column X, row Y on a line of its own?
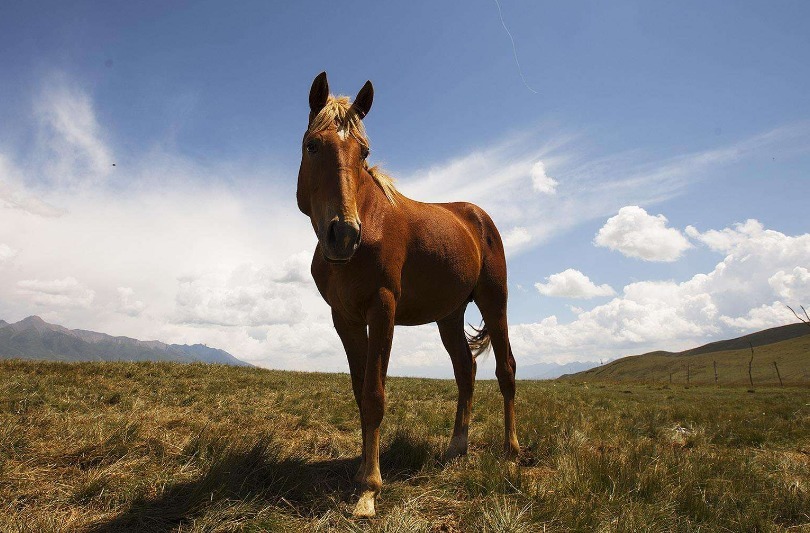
column 456, row 448
column 365, row 505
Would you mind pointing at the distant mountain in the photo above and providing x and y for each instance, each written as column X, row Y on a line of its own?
column 787, row 346
column 33, row 338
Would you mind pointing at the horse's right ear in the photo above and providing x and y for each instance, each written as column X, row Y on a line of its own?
column 318, row 94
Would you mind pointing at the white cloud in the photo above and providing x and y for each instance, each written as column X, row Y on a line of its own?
column 635, row 233
column 67, row 292
column 572, row 283
column 744, row 292
column 792, row 285
column 542, row 182
column 127, row 303
column 73, row 151
column 516, row 238
column 14, row 196
column 248, row 296
column 6, row 253
column 764, row 316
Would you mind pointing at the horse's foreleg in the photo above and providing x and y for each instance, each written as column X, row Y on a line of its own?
column 380, row 335
column 355, row 342
column 451, row 330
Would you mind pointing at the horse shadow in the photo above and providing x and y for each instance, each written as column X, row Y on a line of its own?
column 260, row 474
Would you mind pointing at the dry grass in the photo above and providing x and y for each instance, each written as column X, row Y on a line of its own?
column 168, row 447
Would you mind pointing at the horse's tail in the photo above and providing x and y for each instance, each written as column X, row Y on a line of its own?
column 478, row 339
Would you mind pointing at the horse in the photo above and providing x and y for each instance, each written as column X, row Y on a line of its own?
column 383, row 259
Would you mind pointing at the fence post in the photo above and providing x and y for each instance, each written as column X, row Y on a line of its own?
column 778, row 374
column 750, row 362
column 715, row 371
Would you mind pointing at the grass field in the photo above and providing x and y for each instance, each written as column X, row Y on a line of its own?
column 171, row 447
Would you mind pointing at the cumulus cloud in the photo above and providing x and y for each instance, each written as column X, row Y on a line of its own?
column 572, row 283
column 637, row 234
column 542, row 182
column 792, row 285
column 742, row 293
column 67, row 292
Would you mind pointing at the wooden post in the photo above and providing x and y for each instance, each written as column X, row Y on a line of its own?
column 778, row 374
column 670, row 378
column 687, row 374
column 751, row 362
column 715, row 371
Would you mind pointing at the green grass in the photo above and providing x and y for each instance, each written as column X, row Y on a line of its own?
column 792, row 357
column 169, row 447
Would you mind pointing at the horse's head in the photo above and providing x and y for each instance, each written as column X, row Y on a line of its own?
column 333, row 162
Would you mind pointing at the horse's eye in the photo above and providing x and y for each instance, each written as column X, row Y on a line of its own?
column 311, row 146
column 364, row 152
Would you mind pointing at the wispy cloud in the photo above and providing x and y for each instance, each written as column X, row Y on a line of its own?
column 503, row 179
column 72, row 151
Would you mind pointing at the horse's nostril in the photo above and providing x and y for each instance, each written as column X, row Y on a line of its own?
column 341, row 239
column 331, row 236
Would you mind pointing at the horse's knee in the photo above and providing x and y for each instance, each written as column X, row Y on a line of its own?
column 373, row 407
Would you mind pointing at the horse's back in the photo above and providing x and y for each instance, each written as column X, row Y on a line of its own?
column 479, row 223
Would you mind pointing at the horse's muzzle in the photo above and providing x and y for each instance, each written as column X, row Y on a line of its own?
column 341, row 241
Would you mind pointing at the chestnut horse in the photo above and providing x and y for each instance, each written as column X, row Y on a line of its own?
column 384, row 259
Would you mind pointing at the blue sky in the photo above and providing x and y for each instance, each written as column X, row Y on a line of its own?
column 694, row 111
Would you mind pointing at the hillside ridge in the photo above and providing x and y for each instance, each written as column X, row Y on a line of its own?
column 787, row 346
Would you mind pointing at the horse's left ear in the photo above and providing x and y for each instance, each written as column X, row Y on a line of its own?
column 318, row 93
column 364, row 99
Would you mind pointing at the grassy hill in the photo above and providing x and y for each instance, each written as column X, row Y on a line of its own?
column 788, row 346
column 178, row 447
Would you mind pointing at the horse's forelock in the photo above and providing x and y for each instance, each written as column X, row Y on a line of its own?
column 339, row 112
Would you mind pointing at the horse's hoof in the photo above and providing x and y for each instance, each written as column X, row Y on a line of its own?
column 365, row 505
column 456, row 448
column 511, row 449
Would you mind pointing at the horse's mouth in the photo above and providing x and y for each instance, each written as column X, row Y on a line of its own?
column 337, row 261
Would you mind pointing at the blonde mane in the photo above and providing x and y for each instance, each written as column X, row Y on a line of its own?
column 338, row 111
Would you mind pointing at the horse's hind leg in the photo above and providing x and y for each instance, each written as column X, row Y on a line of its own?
column 490, row 297
column 451, row 330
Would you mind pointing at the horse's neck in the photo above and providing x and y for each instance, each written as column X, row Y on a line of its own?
column 374, row 204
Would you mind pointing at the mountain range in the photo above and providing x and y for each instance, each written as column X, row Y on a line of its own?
column 33, row 338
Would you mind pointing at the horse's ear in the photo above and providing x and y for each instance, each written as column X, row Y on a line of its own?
column 364, row 99
column 318, row 93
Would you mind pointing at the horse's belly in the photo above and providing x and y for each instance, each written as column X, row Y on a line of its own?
column 430, row 292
